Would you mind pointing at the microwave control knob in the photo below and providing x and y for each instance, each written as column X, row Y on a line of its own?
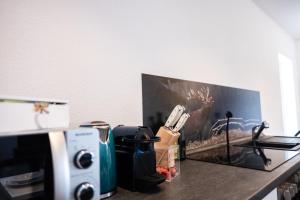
column 83, row 159
column 84, row 191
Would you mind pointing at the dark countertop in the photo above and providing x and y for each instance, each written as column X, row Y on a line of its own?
column 202, row 180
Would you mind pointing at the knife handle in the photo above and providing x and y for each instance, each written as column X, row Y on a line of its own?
column 174, row 116
column 181, row 122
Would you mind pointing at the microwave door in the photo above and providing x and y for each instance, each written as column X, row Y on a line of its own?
column 26, row 169
column 61, row 169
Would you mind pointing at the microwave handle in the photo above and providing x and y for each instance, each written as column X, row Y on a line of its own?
column 61, row 169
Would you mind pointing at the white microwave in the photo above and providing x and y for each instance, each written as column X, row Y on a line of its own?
column 50, row 165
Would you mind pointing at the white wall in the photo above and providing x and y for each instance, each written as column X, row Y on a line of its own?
column 297, row 73
column 93, row 52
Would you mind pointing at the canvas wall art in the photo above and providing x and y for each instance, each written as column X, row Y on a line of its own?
column 206, row 103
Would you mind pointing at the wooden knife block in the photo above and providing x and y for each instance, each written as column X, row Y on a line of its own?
column 167, row 139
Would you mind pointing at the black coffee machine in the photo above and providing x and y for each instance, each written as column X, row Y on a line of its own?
column 135, row 158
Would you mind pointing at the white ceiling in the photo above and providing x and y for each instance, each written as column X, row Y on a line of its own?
column 286, row 13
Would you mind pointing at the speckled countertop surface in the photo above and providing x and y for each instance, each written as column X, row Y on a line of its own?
column 200, row 180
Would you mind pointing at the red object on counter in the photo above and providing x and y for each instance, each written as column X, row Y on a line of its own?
column 169, row 173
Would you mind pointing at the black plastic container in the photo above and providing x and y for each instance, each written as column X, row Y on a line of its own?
column 182, row 145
